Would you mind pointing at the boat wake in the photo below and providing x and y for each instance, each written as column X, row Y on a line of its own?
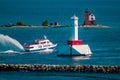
column 32, row 52
column 9, row 45
column 8, row 51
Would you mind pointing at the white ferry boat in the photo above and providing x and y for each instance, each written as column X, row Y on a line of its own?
column 40, row 45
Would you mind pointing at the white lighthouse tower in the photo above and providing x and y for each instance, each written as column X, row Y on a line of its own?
column 75, row 45
column 74, row 29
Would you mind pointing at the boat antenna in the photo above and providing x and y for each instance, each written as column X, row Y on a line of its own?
column 45, row 37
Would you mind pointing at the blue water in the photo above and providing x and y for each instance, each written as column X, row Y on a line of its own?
column 104, row 43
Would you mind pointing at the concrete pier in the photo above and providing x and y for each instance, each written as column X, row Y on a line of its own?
column 59, row 68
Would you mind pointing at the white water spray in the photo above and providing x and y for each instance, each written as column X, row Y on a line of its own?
column 8, row 43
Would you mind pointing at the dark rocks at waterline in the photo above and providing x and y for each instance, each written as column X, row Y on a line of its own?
column 60, row 68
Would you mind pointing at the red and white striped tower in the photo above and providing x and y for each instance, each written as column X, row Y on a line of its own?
column 76, row 46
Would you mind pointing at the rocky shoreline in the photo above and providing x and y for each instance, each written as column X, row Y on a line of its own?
column 59, row 68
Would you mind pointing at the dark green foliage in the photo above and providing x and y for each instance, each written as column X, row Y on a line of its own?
column 45, row 23
column 20, row 23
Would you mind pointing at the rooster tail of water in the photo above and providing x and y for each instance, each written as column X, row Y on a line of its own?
column 8, row 43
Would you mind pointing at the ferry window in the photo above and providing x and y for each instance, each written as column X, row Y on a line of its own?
column 43, row 42
column 35, row 43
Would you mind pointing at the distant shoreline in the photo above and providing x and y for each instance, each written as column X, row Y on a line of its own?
column 94, row 26
column 24, row 27
column 60, row 26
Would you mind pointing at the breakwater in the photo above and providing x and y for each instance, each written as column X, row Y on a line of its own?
column 59, row 68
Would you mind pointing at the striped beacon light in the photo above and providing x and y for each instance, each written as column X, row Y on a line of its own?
column 76, row 46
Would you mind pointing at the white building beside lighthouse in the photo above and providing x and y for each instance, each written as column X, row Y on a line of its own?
column 92, row 17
